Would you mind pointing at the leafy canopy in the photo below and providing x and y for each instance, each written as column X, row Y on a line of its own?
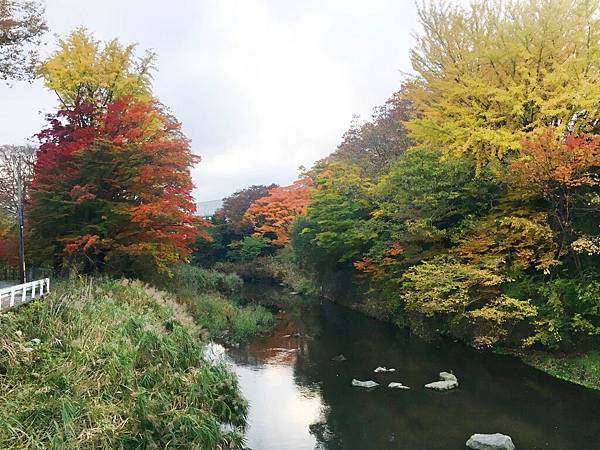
column 85, row 70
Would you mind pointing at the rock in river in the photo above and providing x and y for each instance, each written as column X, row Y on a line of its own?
column 383, row 369
column 495, row 441
column 339, row 358
column 448, row 376
column 395, row 385
column 449, row 381
column 365, row 384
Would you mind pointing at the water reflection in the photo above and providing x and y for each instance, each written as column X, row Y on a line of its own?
column 301, row 399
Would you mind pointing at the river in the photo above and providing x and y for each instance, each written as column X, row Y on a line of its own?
column 301, row 399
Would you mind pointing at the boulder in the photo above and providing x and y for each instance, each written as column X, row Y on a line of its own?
column 364, row 384
column 339, row 358
column 495, row 441
column 449, row 381
column 395, row 385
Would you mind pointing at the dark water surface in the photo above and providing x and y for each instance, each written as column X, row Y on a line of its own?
column 301, row 399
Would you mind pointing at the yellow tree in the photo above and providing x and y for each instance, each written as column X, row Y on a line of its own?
column 490, row 73
column 85, row 70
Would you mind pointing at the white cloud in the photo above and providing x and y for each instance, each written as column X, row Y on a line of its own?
column 261, row 86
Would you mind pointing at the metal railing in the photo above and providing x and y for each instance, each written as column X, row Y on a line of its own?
column 21, row 293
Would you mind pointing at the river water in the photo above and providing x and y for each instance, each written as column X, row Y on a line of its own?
column 301, row 399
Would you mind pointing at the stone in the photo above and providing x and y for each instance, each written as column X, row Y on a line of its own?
column 449, row 381
column 494, row 441
column 36, row 341
column 442, row 385
column 19, row 333
column 339, row 358
column 395, row 385
column 448, row 376
column 364, row 384
column 383, row 369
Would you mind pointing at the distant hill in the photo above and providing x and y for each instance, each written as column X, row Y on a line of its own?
column 207, row 209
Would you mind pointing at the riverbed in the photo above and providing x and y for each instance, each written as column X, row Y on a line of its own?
column 301, row 399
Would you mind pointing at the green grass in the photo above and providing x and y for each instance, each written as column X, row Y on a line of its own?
column 228, row 321
column 582, row 368
column 118, row 365
column 212, row 298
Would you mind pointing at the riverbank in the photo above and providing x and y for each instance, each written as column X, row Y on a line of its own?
column 581, row 368
column 578, row 368
column 215, row 301
column 112, row 364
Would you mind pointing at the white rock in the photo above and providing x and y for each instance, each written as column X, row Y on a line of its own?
column 447, row 376
column 495, row 441
column 383, row 369
column 442, row 385
column 395, row 385
column 449, row 381
column 365, row 384
column 36, row 341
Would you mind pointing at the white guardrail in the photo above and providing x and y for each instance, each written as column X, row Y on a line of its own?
column 21, row 293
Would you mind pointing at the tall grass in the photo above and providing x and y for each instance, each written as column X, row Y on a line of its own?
column 192, row 279
column 112, row 365
column 213, row 299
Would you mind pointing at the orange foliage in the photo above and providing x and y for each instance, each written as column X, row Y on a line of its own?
column 275, row 213
column 547, row 162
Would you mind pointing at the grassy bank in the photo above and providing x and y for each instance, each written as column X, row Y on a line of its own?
column 213, row 298
column 112, row 364
column 580, row 368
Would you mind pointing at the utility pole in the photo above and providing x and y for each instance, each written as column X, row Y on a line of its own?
column 20, row 219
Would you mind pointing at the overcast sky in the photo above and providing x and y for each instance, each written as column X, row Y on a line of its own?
column 261, row 86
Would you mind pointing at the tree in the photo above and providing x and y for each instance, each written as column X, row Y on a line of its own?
column 375, row 145
column 560, row 177
column 86, row 71
column 16, row 167
column 339, row 208
column 114, row 196
column 22, row 25
column 273, row 214
column 231, row 214
column 9, row 254
column 494, row 71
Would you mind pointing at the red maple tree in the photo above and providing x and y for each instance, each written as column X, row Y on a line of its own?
column 112, row 189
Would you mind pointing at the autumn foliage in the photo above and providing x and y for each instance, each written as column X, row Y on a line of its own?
column 274, row 214
column 112, row 189
column 469, row 206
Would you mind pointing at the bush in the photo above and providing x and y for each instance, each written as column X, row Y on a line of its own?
column 117, row 365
